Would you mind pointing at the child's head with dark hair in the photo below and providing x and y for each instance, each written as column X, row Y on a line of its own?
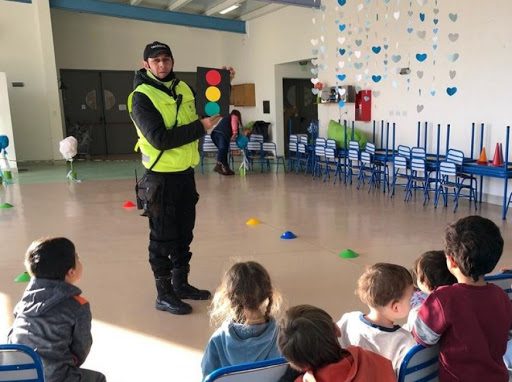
column 51, row 258
column 475, row 244
column 383, row 283
column 308, row 338
column 245, row 287
column 430, row 271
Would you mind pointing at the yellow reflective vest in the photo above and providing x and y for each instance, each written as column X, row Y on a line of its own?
column 179, row 158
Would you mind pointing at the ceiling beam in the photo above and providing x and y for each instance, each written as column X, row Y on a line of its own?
column 269, row 8
column 150, row 14
column 177, row 4
column 221, row 6
column 302, row 3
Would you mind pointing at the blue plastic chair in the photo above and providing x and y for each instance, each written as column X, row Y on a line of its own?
column 207, row 147
column 503, row 280
column 260, row 371
column 270, row 155
column 20, row 363
column 420, row 364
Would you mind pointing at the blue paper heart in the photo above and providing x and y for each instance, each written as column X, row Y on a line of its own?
column 421, row 57
column 436, row 21
column 376, row 49
column 341, row 103
column 396, row 58
column 386, row 46
column 434, row 46
column 341, row 77
column 376, row 78
column 342, row 27
column 451, row 91
column 341, row 3
column 432, row 93
column 342, row 51
column 358, row 65
column 422, row 17
column 409, row 30
column 385, row 62
column 435, row 30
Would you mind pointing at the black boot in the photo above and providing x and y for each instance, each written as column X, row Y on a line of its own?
column 167, row 299
column 183, row 289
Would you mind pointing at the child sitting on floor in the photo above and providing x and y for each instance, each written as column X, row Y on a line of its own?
column 245, row 305
column 470, row 320
column 386, row 289
column 429, row 272
column 308, row 339
column 52, row 317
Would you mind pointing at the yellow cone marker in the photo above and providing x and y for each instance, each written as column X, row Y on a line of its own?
column 252, row 221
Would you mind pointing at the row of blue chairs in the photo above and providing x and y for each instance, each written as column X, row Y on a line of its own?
column 257, row 151
column 411, row 169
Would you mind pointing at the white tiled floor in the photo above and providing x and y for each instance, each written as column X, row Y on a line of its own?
column 133, row 341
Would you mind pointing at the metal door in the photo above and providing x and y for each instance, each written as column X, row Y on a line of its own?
column 120, row 132
column 299, row 107
column 83, row 110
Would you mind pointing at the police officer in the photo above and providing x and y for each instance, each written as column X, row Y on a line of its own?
column 163, row 110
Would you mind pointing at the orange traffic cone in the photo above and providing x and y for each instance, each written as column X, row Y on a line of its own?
column 483, row 157
column 496, row 160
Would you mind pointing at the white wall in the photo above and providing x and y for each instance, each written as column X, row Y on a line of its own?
column 5, row 119
column 109, row 43
column 25, row 44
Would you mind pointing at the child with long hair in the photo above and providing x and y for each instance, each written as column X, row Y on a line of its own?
column 244, row 306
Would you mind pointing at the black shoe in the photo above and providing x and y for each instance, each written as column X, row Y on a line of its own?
column 167, row 300
column 223, row 170
column 172, row 304
column 188, row 292
column 183, row 289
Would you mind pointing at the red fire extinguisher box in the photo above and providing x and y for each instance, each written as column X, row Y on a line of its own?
column 363, row 105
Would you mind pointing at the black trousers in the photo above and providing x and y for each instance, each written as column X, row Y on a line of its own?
column 171, row 231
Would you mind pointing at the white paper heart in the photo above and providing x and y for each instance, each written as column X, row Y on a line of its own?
column 314, row 61
column 359, row 77
column 453, row 37
column 322, row 49
column 322, row 66
column 396, row 15
column 394, row 84
column 360, row 7
column 341, row 64
column 314, row 81
column 314, row 41
column 314, row 91
column 322, row 38
column 453, row 57
column 452, row 73
column 314, row 71
column 313, row 20
column 357, row 53
column 342, row 91
column 435, row 38
column 341, row 40
column 419, row 108
column 366, row 71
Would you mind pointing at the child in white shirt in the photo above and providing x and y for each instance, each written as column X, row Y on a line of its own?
column 386, row 289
